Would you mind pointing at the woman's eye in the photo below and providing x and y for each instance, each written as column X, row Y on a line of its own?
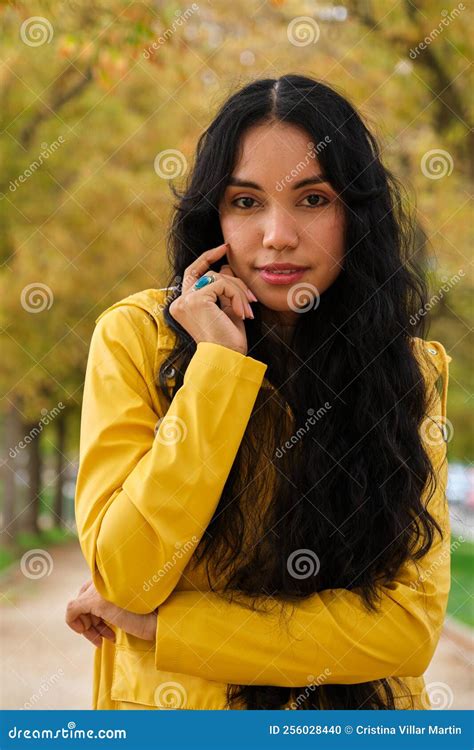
column 315, row 199
column 243, row 198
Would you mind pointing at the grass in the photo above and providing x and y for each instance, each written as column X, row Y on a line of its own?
column 6, row 557
column 461, row 596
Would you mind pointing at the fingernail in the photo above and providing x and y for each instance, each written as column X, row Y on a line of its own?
column 253, row 297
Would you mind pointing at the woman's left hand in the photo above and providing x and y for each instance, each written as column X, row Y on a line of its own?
column 89, row 613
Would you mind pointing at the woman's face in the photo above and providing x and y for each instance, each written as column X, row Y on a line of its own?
column 276, row 210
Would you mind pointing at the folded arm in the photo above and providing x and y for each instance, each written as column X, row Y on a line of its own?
column 143, row 501
column 330, row 633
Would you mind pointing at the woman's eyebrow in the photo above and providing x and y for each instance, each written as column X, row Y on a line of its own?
column 314, row 179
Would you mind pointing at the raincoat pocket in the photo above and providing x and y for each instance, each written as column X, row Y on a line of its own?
column 136, row 680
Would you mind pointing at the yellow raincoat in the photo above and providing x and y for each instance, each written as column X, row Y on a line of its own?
column 147, row 489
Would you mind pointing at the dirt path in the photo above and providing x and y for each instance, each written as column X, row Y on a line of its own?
column 46, row 666
column 449, row 678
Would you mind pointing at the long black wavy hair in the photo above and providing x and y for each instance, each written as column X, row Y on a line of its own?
column 351, row 491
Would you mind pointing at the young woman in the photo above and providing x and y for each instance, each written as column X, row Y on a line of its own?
column 261, row 491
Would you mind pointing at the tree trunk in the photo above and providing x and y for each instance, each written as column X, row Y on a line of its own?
column 11, row 504
column 58, row 507
column 31, row 514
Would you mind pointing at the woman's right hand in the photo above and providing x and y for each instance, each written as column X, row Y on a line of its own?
column 196, row 310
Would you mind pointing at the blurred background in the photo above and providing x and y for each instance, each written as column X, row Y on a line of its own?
column 102, row 105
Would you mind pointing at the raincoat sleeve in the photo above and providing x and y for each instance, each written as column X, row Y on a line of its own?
column 143, row 501
column 330, row 634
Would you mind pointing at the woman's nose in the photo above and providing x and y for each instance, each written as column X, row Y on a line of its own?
column 279, row 230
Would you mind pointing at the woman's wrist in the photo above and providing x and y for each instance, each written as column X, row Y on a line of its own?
column 148, row 626
column 141, row 626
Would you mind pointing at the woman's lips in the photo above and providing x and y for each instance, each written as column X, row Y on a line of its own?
column 281, row 278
